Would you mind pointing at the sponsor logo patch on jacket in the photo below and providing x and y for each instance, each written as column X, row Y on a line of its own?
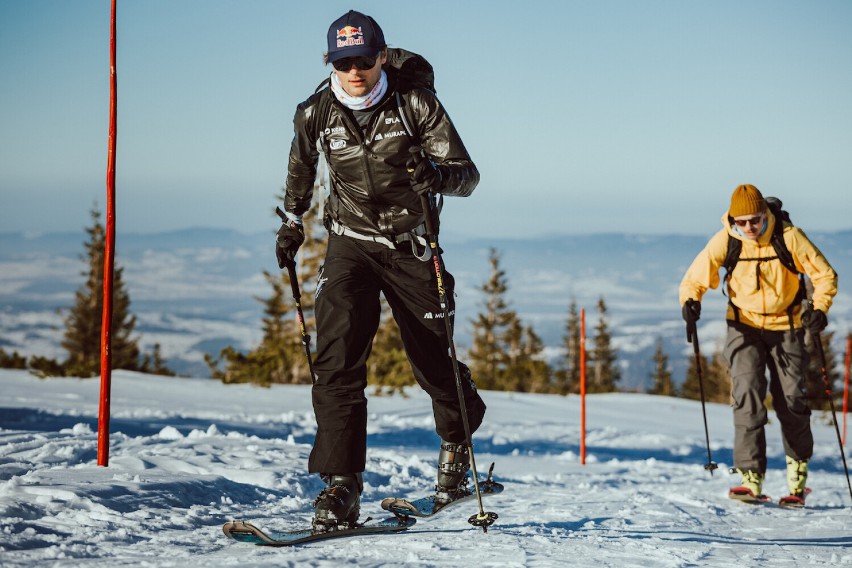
column 381, row 136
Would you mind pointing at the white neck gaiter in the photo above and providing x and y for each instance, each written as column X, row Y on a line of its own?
column 359, row 103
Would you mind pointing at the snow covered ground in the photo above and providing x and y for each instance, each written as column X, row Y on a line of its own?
column 187, row 455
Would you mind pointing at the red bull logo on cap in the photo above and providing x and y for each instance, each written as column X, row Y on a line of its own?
column 349, row 36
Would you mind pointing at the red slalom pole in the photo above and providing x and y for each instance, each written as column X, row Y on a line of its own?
column 583, row 386
column 109, row 260
column 846, row 385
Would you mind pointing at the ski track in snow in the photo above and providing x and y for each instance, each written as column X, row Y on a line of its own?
column 187, row 455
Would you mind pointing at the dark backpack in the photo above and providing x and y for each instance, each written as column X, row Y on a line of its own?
column 412, row 70
column 782, row 253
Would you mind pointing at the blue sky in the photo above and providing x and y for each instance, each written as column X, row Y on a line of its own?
column 610, row 116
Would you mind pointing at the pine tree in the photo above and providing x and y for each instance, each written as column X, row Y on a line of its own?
column 276, row 359
column 605, row 372
column 280, row 358
column 719, row 379
column 568, row 375
column 487, row 357
column 715, row 379
column 13, row 360
column 691, row 388
column 661, row 378
column 525, row 370
column 153, row 363
column 815, row 387
column 82, row 338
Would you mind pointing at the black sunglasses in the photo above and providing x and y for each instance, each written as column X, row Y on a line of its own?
column 361, row 63
column 752, row 221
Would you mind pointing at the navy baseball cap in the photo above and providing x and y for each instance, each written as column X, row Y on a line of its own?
column 354, row 34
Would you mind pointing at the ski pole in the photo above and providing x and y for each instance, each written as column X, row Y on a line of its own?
column 818, row 340
column 482, row 519
column 297, row 299
column 692, row 337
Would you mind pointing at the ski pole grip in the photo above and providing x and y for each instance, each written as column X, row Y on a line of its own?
column 690, row 332
column 291, row 266
column 294, row 282
column 428, row 214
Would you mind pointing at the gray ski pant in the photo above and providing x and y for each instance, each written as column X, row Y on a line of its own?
column 750, row 352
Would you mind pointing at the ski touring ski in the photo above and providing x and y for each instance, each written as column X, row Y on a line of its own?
column 242, row 531
column 794, row 501
column 432, row 504
column 746, row 495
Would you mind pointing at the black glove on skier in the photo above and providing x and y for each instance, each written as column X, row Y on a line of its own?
column 691, row 311
column 814, row 320
column 290, row 238
column 425, row 175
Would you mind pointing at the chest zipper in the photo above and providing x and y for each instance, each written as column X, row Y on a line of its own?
column 355, row 128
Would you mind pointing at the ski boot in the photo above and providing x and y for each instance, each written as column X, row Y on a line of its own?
column 339, row 504
column 750, row 488
column 453, row 463
column 797, row 477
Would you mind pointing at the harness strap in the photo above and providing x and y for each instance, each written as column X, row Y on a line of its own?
column 413, row 236
column 788, row 311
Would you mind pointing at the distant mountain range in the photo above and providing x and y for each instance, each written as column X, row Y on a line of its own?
column 195, row 291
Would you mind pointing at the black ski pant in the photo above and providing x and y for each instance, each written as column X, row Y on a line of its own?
column 750, row 352
column 348, row 310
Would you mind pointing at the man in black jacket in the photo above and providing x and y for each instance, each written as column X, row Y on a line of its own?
column 386, row 143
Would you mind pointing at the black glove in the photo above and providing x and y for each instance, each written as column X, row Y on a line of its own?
column 691, row 311
column 814, row 320
column 290, row 238
column 425, row 175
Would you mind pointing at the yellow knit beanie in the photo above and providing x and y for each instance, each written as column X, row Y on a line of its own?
column 746, row 200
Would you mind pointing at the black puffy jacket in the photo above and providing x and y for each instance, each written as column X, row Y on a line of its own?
column 370, row 185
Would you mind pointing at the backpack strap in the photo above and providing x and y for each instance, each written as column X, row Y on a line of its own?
column 322, row 112
column 782, row 254
column 406, row 120
column 735, row 246
column 320, row 118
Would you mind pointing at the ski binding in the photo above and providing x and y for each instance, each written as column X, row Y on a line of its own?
column 434, row 504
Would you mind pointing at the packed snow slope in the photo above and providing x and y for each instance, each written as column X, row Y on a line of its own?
column 187, row 455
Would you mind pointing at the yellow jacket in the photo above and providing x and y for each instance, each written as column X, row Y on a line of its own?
column 762, row 306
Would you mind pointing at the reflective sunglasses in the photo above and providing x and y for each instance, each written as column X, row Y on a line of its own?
column 752, row 221
column 361, row 63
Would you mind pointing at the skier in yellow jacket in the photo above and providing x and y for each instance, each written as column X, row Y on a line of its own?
column 766, row 323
